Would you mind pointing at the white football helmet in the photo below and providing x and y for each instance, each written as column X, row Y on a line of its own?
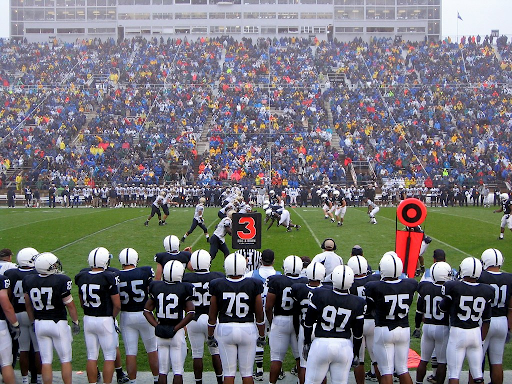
column 336, row 192
column 129, row 256
column 315, row 271
column 235, row 265
column 99, row 258
column 172, row 244
column 271, row 192
column 342, row 277
column 390, row 265
column 324, row 196
column 173, row 271
column 470, row 267
column 26, row 257
column 268, row 211
column 292, row 265
column 504, row 196
column 358, row 264
column 47, row 264
column 200, row 260
column 441, row 271
column 491, row 257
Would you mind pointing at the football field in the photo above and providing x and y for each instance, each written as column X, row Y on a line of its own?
column 72, row 233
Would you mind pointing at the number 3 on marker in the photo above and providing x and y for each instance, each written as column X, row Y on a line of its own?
column 249, row 231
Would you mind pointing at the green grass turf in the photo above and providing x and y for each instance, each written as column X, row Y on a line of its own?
column 72, row 233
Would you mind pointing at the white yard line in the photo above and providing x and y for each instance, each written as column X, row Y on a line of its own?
column 42, row 221
column 296, row 210
column 201, row 237
column 95, row 233
column 433, row 238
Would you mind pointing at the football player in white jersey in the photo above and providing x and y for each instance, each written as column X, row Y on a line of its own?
column 372, row 209
column 218, row 239
column 160, row 202
column 198, row 221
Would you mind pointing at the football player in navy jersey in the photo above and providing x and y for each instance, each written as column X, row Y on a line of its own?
column 327, row 206
column 263, row 272
column 236, row 301
column 25, row 259
column 391, row 299
column 172, row 252
column 171, row 299
column 8, row 325
column 301, row 294
column 218, row 239
column 506, row 208
column 281, row 310
column 160, row 202
column 436, row 323
column 494, row 343
column 47, row 297
column 359, row 265
column 133, row 290
column 338, row 317
column 121, row 376
column 340, row 207
column 198, row 328
column 99, row 298
column 469, row 305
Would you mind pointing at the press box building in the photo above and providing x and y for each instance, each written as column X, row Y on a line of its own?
column 39, row 20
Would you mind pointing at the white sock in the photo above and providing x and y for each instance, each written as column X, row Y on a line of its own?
column 24, row 379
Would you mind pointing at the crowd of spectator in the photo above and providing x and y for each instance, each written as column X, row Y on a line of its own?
column 136, row 111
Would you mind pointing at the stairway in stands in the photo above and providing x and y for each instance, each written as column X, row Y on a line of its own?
column 335, row 141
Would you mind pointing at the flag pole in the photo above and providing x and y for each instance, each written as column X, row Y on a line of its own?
column 457, row 27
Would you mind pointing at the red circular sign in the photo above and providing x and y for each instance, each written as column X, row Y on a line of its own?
column 411, row 212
